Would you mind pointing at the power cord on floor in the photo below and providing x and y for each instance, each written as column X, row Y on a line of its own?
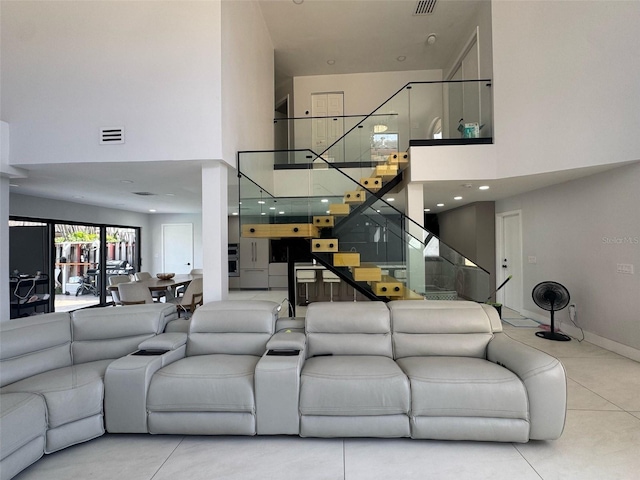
column 573, row 314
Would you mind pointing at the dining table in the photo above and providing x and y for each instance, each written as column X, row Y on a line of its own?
column 155, row 284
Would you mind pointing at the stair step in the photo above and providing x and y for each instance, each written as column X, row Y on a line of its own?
column 367, row 274
column 388, row 287
column 373, row 183
column 280, row 230
column 346, row 259
column 357, row 196
column 386, row 171
column 398, row 159
column 324, row 245
column 339, row 209
column 324, row 221
column 411, row 295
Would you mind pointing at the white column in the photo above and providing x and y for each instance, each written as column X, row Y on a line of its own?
column 215, row 235
column 414, row 201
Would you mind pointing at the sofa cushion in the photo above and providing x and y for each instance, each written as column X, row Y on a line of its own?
column 71, row 393
column 446, row 328
column 29, row 346
column 232, row 327
column 107, row 333
column 205, row 383
column 341, row 328
column 353, row 385
column 22, row 419
column 463, row 387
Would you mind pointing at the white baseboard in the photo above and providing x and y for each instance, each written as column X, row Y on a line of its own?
column 573, row 331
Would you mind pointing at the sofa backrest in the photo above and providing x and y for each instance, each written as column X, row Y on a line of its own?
column 348, row 328
column 113, row 332
column 33, row 345
column 232, row 327
column 440, row 327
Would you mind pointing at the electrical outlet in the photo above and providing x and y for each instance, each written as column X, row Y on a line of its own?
column 533, row 259
column 625, row 268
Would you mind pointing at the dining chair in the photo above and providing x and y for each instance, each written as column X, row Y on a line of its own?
column 192, row 298
column 156, row 294
column 134, row 293
column 115, row 280
column 196, row 271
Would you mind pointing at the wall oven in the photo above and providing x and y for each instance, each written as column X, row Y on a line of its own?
column 234, row 260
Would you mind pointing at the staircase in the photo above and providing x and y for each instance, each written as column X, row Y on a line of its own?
column 337, row 213
column 322, row 234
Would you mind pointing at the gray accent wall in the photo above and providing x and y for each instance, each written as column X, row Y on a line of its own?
column 579, row 231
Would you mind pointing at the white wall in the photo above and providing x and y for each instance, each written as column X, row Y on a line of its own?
column 565, row 97
column 248, row 86
column 45, row 208
column 154, row 236
column 71, row 67
column 579, row 231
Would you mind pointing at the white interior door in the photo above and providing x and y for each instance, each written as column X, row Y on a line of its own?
column 328, row 122
column 509, row 236
column 177, row 247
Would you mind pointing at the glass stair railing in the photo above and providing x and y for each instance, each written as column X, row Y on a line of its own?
column 348, row 227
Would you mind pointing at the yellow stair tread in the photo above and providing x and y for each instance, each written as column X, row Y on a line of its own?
column 346, row 259
column 280, row 230
column 323, row 221
column 339, row 209
column 324, row 245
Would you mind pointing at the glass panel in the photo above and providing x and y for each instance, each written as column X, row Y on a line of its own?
column 77, row 259
column 122, row 254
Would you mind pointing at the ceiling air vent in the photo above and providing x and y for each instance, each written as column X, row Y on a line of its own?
column 425, row 7
column 144, row 194
column 111, row 135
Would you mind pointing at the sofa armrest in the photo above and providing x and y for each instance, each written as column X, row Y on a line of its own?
column 277, row 384
column 164, row 341
column 544, row 378
column 127, row 380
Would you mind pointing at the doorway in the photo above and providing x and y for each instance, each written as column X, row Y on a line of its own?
column 327, row 110
column 509, row 259
column 177, row 248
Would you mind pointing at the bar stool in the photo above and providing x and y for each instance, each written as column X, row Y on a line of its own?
column 329, row 277
column 306, row 277
column 401, row 275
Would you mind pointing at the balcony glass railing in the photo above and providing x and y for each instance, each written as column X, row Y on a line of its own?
column 418, row 111
column 404, row 253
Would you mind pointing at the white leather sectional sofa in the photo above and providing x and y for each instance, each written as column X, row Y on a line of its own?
column 427, row 370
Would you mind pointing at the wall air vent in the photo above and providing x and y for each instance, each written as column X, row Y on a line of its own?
column 144, row 194
column 111, row 135
column 425, row 7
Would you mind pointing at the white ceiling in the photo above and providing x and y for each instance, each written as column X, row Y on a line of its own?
column 359, row 36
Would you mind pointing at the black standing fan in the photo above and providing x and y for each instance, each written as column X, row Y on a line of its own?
column 551, row 296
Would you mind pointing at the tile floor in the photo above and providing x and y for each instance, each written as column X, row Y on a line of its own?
column 601, row 440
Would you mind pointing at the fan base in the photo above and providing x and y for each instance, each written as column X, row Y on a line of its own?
column 559, row 337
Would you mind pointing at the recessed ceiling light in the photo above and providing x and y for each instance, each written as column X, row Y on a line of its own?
column 466, row 185
column 126, row 181
column 261, row 202
column 263, row 213
column 170, row 194
column 14, row 185
column 328, row 212
column 331, row 62
column 391, row 199
column 325, row 200
column 272, row 208
column 427, row 209
column 152, row 210
column 432, row 38
column 457, row 198
column 440, row 205
column 484, row 187
column 234, row 213
column 281, row 213
column 298, row 2
column 378, row 211
column 401, row 58
column 77, row 196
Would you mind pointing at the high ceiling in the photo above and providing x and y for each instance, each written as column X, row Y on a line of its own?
column 310, row 37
